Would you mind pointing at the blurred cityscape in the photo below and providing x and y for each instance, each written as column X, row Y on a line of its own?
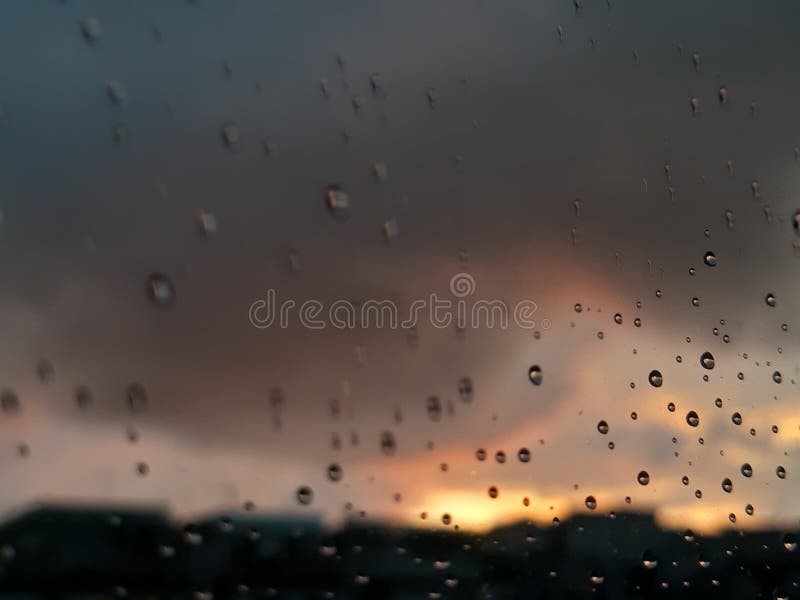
column 55, row 551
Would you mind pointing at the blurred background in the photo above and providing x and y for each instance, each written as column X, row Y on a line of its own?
column 628, row 168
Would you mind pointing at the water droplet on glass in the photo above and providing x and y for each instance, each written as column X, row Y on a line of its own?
column 160, row 289
column 390, row 230
column 83, row 397
column 707, row 360
column 388, row 443
column 727, row 485
column 535, row 375
column 643, row 478
column 710, row 259
column 649, row 561
column 338, row 202
column 9, row 402
column 137, row 398
column 770, row 300
column 723, row 95
column 597, row 578
column 230, row 134
column 45, row 371
column 433, row 96
column 692, row 418
column 755, row 188
column 335, row 472
column 655, row 378
column 116, row 92
column 207, row 224
column 304, row 495
column 92, row 29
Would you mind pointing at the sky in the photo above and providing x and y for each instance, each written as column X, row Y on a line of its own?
column 559, row 171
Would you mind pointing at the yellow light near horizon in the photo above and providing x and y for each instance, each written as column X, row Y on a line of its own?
column 475, row 511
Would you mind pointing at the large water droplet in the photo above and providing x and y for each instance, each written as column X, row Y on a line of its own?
column 335, row 472
column 770, row 299
column 535, row 375
column 655, row 378
column 707, row 360
column 649, row 561
column 304, row 495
